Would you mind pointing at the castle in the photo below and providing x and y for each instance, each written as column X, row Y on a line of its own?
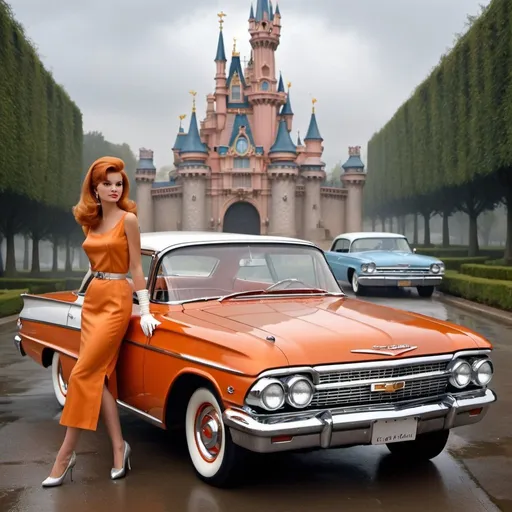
column 240, row 171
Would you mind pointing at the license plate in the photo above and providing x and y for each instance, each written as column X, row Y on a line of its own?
column 394, row 431
column 404, row 283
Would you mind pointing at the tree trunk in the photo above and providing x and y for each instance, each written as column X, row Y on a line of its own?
column 68, row 256
column 383, row 223
column 473, row 235
column 403, row 224
column 391, row 228
column 508, row 242
column 10, row 256
column 1, row 257
column 426, row 238
column 26, row 255
column 415, row 230
column 373, row 224
column 446, row 229
column 36, row 267
column 55, row 255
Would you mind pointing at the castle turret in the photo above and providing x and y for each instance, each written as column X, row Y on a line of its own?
column 193, row 172
column 354, row 179
column 313, row 173
column 286, row 111
column 283, row 172
column 179, row 141
column 144, row 177
column 265, row 31
column 221, row 91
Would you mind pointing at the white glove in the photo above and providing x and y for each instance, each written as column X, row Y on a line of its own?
column 148, row 322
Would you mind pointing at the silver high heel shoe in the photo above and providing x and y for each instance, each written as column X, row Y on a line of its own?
column 120, row 473
column 55, row 481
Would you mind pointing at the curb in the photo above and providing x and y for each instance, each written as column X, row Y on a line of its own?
column 8, row 319
column 490, row 312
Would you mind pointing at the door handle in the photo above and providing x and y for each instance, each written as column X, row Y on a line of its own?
column 70, row 315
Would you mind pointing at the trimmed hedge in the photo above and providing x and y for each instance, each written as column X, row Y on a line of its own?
column 460, row 252
column 487, row 272
column 37, row 286
column 11, row 302
column 490, row 292
column 456, row 263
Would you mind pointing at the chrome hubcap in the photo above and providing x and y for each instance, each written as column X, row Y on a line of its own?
column 62, row 383
column 208, row 432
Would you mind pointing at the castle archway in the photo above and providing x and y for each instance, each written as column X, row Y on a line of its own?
column 243, row 218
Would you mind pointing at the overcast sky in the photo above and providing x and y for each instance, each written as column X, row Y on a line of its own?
column 129, row 64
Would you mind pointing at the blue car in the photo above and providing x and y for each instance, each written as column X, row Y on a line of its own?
column 383, row 260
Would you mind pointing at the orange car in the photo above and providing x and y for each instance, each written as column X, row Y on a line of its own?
column 260, row 350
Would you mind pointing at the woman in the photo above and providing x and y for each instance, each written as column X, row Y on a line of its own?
column 112, row 244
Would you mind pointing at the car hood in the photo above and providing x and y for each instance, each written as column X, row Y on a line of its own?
column 326, row 330
column 395, row 258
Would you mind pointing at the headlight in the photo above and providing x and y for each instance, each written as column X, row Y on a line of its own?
column 461, row 374
column 437, row 268
column 300, row 392
column 482, row 372
column 268, row 394
column 368, row 267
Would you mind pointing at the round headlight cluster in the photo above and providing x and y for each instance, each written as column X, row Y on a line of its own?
column 437, row 268
column 368, row 267
column 271, row 394
column 463, row 373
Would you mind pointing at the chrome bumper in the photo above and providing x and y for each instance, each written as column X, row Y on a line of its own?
column 17, row 344
column 334, row 428
column 396, row 280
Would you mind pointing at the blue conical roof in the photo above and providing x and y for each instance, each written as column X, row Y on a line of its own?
column 287, row 107
column 251, row 14
column 241, row 120
column 221, row 53
column 280, row 87
column 313, row 131
column 179, row 139
column 261, row 8
column 283, row 143
column 192, row 142
column 353, row 162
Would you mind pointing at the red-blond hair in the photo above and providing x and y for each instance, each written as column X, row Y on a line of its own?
column 87, row 212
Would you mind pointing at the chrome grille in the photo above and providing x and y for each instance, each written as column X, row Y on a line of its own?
column 403, row 270
column 381, row 373
column 363, row 395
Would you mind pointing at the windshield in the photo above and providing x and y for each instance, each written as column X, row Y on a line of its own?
column 202, row 271
column 380, row 244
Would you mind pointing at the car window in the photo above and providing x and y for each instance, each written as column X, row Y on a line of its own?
column 206, row 271
column 341, row 245
column 380, row 244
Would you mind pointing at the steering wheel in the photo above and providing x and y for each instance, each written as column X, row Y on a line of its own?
column 289, row 280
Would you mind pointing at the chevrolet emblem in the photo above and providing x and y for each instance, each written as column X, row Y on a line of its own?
column 385, row 350
column 388, row 387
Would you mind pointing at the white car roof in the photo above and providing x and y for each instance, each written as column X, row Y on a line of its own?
column 161, row 240
column 368, row 234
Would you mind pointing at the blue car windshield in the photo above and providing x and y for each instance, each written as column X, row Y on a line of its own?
column 380, row 244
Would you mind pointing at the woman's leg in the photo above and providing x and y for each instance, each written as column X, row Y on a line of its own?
column 65, row 452
column 111, row 419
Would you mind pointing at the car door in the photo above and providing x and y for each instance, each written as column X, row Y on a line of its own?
column 337, row 259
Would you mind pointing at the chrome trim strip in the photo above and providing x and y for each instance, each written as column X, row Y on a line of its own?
column 142, row 414
column 51, row 346
column 48, row 299
column 53, row 324
column 367, row 382
column 185, row 357
column 17, row 344
column 447, row 407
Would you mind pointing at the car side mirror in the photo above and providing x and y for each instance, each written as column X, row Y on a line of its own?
column 414, row 250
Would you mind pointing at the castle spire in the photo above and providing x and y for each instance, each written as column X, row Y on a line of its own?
column 280, row 87
column 221, row 52
column 262, row 10
column 251, row 14
column 283, row 142
column 313, row 131
column 287, row 107
column 192, row 142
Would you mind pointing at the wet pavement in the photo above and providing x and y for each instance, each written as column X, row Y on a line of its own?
column 474, row 474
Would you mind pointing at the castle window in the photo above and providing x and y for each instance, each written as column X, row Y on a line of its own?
column 242, row 145
column 241, row 163
column 236, row 93
column 242, row 181
column 265, row 86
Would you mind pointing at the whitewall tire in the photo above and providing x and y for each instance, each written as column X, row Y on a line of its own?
column 60, row 386
column 212, row 451
column 356, row 287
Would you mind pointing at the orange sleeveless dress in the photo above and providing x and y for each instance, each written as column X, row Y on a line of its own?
column 106, row 313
